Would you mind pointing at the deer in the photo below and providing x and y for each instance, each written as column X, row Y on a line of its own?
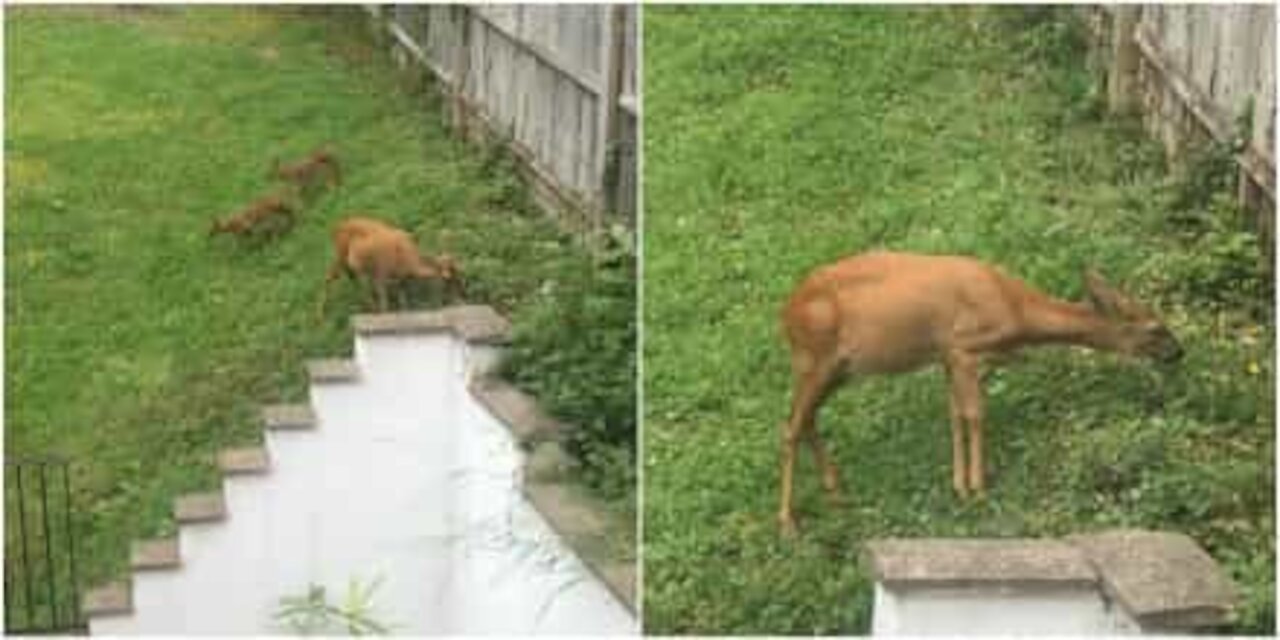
column 383, row 253
column 882, row 312
column 268, row 216
column 319, row 168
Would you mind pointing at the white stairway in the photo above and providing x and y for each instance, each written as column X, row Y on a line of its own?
column 395, row 474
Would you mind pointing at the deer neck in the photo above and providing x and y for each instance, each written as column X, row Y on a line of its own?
column 1048, row 320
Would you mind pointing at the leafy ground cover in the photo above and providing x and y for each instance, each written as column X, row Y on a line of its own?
column 781, row 138
column 138, row 346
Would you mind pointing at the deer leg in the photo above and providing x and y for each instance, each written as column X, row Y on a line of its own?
column 807, row 394
column 958, row 458
column 402, row 295
column 335, row 270
column 380, row 287
column 967, row 389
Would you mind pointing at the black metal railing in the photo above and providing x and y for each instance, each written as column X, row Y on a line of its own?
column 41, row 588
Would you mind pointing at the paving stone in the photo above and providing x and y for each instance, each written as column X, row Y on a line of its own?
column 288, row 416
column 200, row 507
column 111, row 599
column 401, row 322
column 547, row 463
column 1164, row 580
column 938, row 562
column 333, row 370
column 161, row 553
column 480, row 324
column 244, row 460
column 621, row 579
column 519, row 411
column 569, row 513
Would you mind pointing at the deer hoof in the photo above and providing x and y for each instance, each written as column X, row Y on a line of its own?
column 787, row 526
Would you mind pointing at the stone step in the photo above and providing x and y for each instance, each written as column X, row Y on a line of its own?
column 200, row 507
column 111, row 599
column 160, row 553
column 288, row 416
column 474, row 323
column 516, row 409
column 333, row 370
column 244, row 461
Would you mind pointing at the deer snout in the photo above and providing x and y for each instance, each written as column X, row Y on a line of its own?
column 1165, row 347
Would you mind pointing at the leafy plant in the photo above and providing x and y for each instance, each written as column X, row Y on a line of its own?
column 575, row 350
column 312, row 613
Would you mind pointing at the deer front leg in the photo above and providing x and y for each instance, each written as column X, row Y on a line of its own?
column 958, row 467
column 966, row 387
column 380, row 287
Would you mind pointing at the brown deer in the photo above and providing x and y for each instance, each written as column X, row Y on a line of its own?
column 268, row 217
column 318, row 169
column 383, row 253
column 883, row 312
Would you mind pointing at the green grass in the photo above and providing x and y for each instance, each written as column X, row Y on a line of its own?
column 137, row 345
column 781, row 138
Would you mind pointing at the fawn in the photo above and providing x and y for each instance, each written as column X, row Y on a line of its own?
column 268, row 216
column 382, row 253
column 884, row 312
column 318, row 169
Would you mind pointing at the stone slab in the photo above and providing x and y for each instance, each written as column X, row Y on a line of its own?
column 333, row 370
column 516, row 409
column 568, row 512
column 480, row 324
column 244, row 460
column 474, row 323
column 547, row 463
column 621, row 579
column 934, row 562
column 1164, row 580
column 288, row 416
column 161, row 553
column 113, row 599
column 200, row 507
column 401, row 322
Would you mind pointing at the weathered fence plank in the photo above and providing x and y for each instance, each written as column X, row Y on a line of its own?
column 557, row 82
column 1202, row 71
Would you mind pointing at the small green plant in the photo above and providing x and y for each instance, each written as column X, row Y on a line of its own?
column 312, row 613
column 575, row 351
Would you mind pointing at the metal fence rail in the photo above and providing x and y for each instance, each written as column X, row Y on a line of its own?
column 41, row 585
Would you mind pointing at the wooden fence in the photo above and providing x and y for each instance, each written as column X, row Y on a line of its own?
column 1198, row 72
column 556, row 83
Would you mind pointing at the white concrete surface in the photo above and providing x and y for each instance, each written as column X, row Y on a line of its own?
column 984, row 611
column 406, row 479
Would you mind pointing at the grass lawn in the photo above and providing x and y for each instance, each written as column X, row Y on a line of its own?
column 782, row 138
column 137, row 345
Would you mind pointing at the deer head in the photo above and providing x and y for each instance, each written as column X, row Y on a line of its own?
column 1137, row 330
column 451, row 274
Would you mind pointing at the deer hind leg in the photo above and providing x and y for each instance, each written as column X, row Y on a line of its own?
column 811, row 385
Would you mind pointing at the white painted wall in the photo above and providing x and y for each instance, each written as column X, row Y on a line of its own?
column 406, row 478
column 986, row 611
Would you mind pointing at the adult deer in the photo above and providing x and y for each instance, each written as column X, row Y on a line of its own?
column 384, row 253
column 884, row 312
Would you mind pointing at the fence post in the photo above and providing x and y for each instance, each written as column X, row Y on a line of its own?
column 458, row 92
column 1122, row 77
column 607, row 135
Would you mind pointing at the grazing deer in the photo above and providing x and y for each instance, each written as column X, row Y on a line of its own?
column 268, row 216
column 883, row 312
column 320, row 168
column 382, row 253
